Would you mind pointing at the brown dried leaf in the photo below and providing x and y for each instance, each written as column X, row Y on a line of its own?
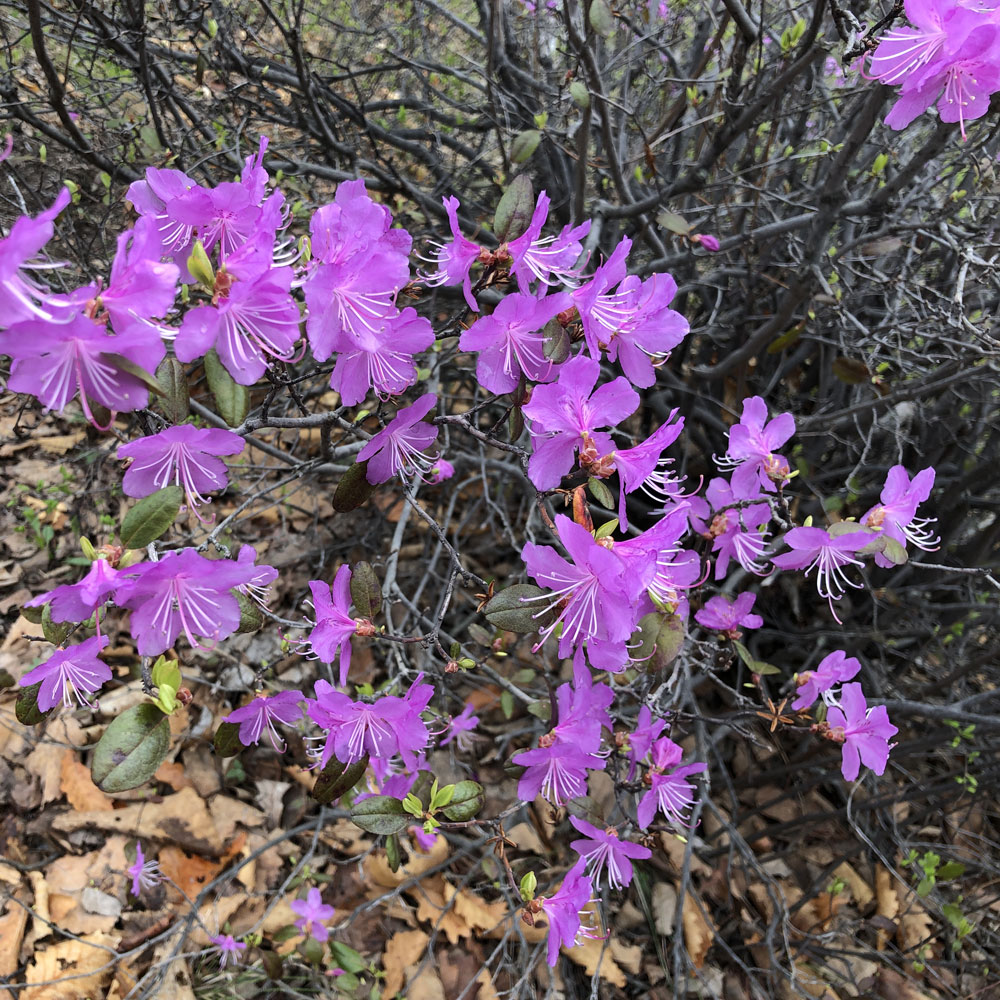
column 425, row 983
column 176, row 973
column 887, row 902
column 12, row 927
column 913, row 928
column 71, row 969
column 433, row 909
column 861, row 891
column 699, row 932
column 474, row 910
column 78, row 786
column 401, row 950
column 173, row 774
column 189, row 872
column 592, row 951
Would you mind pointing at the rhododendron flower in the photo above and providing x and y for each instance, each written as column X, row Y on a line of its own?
column 603, row 849
column 69, row 674
column 258, row 584
column 381, row 729
column 832, row 669
column 565, row 416
column 549, row 259
column 22, row 298
column 710, row 243
column 460, row 728
column 334, row 624
column 556, row 770
column 229, row 949
column 144, row 874
column 56, row 361
column 183, row 592
column 864, row 732
column 814, row 548
column 640, row 740
column 312, row 913
column 76, row 602
column 398, row 447
column 563, row 909
column 595, row 597
column 381, row 360
column 262, row 713
column 723, row 615
column 249, row 323
column 454, row 259
column 737, row 530
column 151, row 197
column 895, row 515
column 669, row 793
column 511, row 341
column 752, row 443
column 601, row 311
column 184, row 455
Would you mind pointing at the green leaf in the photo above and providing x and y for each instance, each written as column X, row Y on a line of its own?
column 507, row 704
column 608, row 528
column 413, row 806
column 889, row 547
column 54, row 632
column 151, row 517
column 661, row 636
column 353, row 489
column 336, row 779
column 173, row 390
column 26, row 708
column 381, row 814
column 513, row 214
column 515, row 423
column 600, row 492
column 232, row 400
column 227, row 741
column 251, row 616
column 524, row 144
column 601, row 18
column 529, row 882
column 441, row 797
column 131, row 749
column 467, row 799
column 579, row 94
column 516, row 609
column 347, row 958
column 166, row 672
column 851, row 371
column 556, row 342
column 674, row 223
column 200, row 267
column 365, row 590
column 950, row 870
column 392, row 852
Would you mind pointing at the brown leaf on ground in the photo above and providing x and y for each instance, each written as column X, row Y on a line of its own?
column 887, row 902
column 69, row 877
column 861, row 891
column 699, row 932
column 71, row 969
column 402, row 950
column 593, row 951
column 913, row 928
column 189, row 872
column 12, row 926
column 176, row 981
column 474, row 910
column 434, row 910
column 379, row 872
column 78, row 786
column 173, row 774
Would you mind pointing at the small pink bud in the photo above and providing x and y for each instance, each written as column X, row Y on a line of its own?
column 710, row 243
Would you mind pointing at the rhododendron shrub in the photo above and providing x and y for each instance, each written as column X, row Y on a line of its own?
column 626, row 583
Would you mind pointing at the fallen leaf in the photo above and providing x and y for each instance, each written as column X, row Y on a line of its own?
column 433, row 909
column 40, row 909
column 173, row 774
column 189, row 872
column 699, row 933
column 664, row 904
column 474, row 910
column 78, row 786
column 402, row 949
column 423, row 983
column 860, row 889
column 71, row 969
column 379, row 872
column 913, row 928
column 12, row 927
column 175, row 982
column 595, row 955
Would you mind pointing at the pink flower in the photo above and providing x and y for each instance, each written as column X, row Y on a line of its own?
column 145, row 874
column 334, row 624
column 562, row 909
column 312, row 913
column 710, row 243
column 723, row 615
column 399, row 446
column 262, row 713
column 864, row 732
column 832, row 669
column 669, row 792
column 752, row 443
column 70, row 674
column 896, row 516
column 229, row 949
column 602, row 849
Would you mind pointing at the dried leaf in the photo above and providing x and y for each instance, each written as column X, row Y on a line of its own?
column 71, row 969
column 78, row 786
column 401, row 950
column 12, row 927
column 887, row 902
column 699, row 933
column 593, row 951
column 189, row 872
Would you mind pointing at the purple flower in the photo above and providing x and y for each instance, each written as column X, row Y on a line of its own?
column 381, row 729
column 555, row 770
column 440, row 471
column 312, row 913
column 334, row 624
column 20, row 295
column 896, row 516
column 183, row 592
column 751, row 449
column 248, row 323
column 563, row 908
column 737, row 530
column 258, row 584
column 151, row 197
column 550, row 259
column 398, row 447
column 381, row 359
column 69, row 674
column 262, row 713
column 565, row 416
column 710, row 243
column 76, row 602
column 832, row 669
column 184, row 455
column 723, row 615
column 145, row 874
column 229, row 949
column 814, row 548
column 511, row 341
column 602, row 312
column 864, row 732
column 595, row 597
column 55, row 361
column 669, row 793
column 640, row 740
column 602, row 848
column 454, row 259
column 460, row 727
